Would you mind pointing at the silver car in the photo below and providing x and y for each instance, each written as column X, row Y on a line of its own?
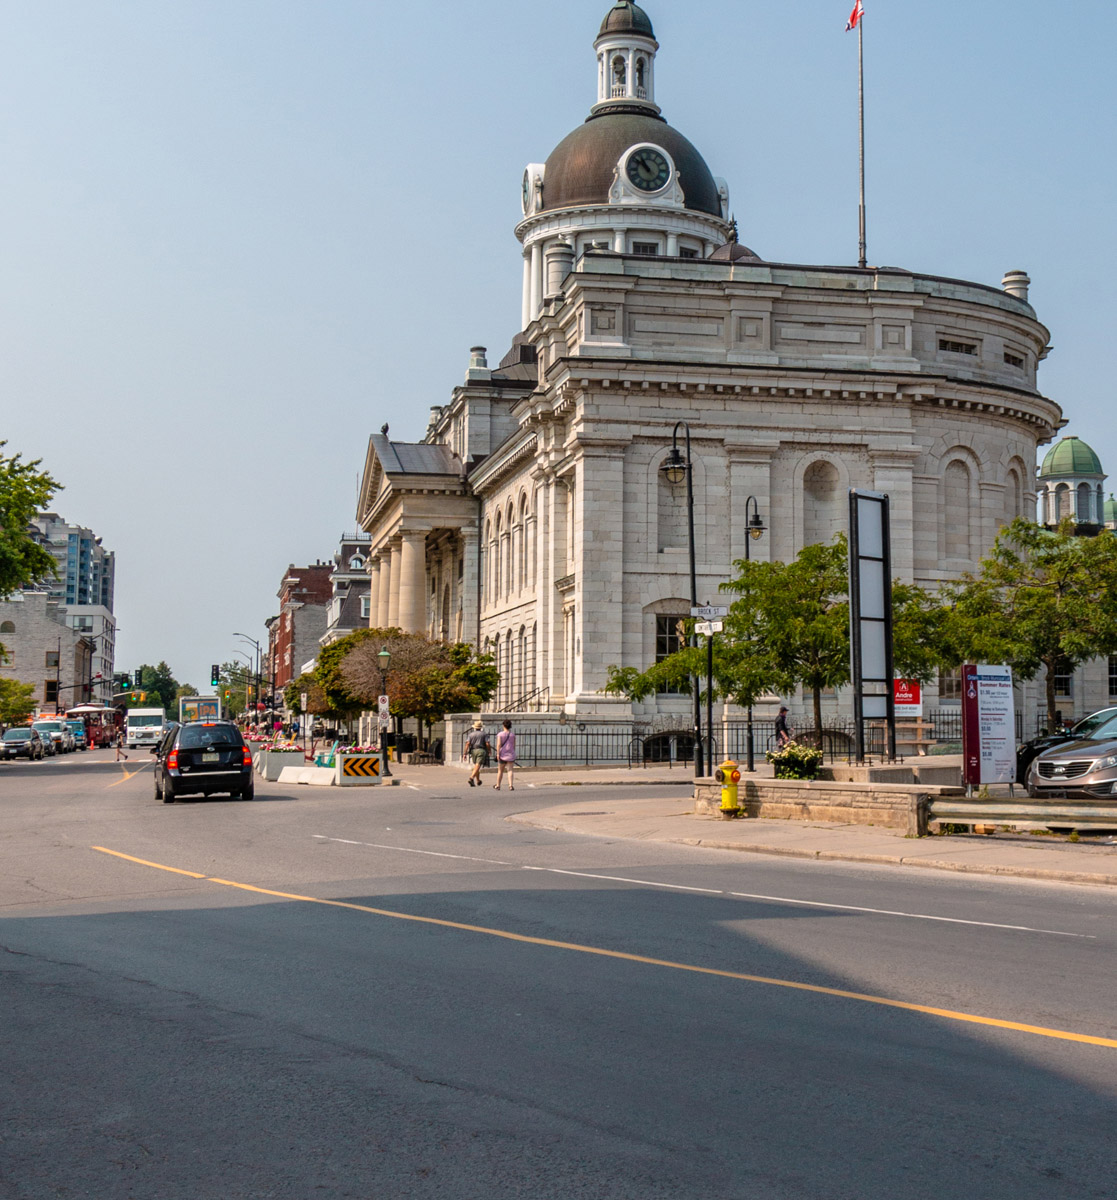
column 1085, row 768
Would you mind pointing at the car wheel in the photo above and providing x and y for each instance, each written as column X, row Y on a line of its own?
column 249, row 793
column 167, row 792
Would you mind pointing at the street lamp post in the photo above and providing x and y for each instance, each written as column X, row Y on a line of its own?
column 383, row 658
column 675, row 468
column 256, row 685
column 754, row 529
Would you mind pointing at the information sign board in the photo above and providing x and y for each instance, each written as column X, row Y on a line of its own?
column 988, row 725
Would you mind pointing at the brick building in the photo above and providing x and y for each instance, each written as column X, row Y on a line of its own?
column 304, row 598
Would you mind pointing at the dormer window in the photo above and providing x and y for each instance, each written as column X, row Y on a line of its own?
column 356, row 563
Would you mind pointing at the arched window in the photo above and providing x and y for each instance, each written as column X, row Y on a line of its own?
column 445, row 631
column 532, row 678
column 8, row 627
column 521, row 655
column 522, row 566
column 641, row 87
column 956, row 507
column 821, row 503
column 1014, row 496
column 671, row 514
column 1082, row 508
column 498, row 555
column 510, row 667
column 1062, row 501
column 620, row 76
column 490, row 565
column 356, row 563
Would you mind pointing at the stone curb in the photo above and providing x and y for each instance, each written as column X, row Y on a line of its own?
column 891, row 860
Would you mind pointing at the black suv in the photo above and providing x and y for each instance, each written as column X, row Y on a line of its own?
column 202, row 757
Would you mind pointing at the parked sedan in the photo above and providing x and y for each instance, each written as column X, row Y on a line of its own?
column 1085, row 768
column 21, row 743
column 201, row 758
column 1047, row 741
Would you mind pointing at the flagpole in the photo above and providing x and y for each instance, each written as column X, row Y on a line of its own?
column 862, row 261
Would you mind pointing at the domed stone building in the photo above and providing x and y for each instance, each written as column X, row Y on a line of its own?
column 534, row 517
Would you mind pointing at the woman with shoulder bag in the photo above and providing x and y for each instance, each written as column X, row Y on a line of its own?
column 506, row 756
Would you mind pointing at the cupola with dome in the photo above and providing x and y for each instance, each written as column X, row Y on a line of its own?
column 624, row 180
column 1070, row 484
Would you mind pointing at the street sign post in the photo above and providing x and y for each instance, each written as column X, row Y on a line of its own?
column 708, row 627
column 709, row 612
column 383, row 720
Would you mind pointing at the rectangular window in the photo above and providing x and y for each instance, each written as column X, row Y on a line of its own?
column 684, row 252
column 1014, row 360
column 1064, row 682
column 950, row 685
column 668, row 641
column 953, row 347
column 1113, row 676
column 366, row 607
column 648, row 249
column 52, row 658
column 50, row 691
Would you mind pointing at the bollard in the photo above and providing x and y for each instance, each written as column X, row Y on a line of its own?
column 728, row 776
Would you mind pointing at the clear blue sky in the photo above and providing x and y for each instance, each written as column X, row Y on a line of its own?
column 239, row 235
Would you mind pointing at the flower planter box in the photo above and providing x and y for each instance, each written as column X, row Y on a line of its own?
column 270, row 762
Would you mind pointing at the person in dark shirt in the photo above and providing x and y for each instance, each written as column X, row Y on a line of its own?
column 783, row 733
column 477, row 749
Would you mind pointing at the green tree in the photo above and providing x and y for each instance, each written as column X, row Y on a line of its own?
column 24, row 490
column 159, row 687
column 789, row 626
column 1042, row 600
column 17, row 701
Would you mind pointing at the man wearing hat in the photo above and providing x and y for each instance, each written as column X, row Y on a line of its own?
column 477, row 750
column 783, row 734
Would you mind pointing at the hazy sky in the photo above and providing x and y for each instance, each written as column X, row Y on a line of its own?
column 239, row 235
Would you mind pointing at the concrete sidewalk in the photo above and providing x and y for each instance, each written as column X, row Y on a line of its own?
column 657, row 804
column 664, row 818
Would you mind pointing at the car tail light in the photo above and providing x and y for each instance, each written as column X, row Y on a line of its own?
column 172, row 761
column 247, row 757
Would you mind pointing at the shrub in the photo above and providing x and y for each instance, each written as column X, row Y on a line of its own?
column 794, row 761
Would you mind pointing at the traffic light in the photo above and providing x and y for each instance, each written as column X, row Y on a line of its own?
column 139, row 676
column 215, row 675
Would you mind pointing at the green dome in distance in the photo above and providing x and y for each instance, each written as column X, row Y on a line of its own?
column 1070, row 456
column 1109, row 511
column 625, row 17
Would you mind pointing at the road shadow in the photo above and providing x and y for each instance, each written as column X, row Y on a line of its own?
column 254, row 1046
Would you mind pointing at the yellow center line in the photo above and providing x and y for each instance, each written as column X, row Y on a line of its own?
column 507, row 935
column 124, row 779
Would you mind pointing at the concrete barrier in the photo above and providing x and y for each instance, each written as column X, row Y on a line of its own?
column 316, row 776
column 269, row 763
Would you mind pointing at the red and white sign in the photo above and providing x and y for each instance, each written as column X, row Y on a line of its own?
column 855, row 16
column 908, row 698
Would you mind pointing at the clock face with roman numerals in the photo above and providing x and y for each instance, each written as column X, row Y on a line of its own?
column 648, row 169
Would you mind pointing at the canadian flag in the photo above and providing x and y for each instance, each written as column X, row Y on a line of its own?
column 855, row 16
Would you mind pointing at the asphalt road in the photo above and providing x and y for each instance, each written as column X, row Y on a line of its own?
column 486, row 1010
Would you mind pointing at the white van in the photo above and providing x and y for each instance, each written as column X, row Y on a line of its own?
column 143, row 726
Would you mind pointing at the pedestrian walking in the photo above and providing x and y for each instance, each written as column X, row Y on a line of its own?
column 506, row 756
column 783, row 733
column 477, row 748
column 120, row 746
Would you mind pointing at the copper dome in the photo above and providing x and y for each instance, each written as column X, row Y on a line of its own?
column 625, row 17
column 580, row 168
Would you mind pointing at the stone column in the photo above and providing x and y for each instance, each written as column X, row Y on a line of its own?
column 387, row 583
column 393, row 591
column 527, row 313
column 471, row 630
column 536, row 279
column 373, row 592
column 413, row 582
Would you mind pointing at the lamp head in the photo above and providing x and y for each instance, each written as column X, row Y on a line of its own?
column 756, row 527
column 675, row 466
column 384, row 658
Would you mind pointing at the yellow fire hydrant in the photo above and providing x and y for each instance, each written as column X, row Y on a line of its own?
column 728, row 776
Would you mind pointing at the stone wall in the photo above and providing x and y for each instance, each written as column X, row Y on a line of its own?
column 886, row 806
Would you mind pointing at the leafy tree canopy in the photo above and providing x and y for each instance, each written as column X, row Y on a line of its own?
column 24, row 490
column 17, row 701
column 1042, row 600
